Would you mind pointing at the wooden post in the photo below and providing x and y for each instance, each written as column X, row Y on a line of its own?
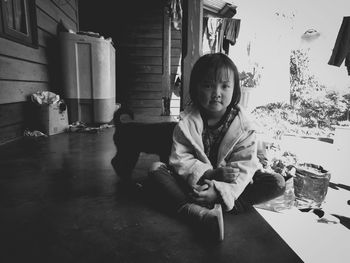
column 166, row 88
column 192, row 42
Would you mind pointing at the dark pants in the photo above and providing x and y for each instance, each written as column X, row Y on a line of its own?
column 172, row 193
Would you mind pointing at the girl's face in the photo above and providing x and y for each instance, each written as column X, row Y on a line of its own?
column 215, row 93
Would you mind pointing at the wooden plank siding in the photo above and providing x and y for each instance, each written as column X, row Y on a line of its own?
column 140, row 49
column 12, row 49
column 145, row 73
column 22, row 91
column 25, row 70
column 139, row 39
column 15, row 69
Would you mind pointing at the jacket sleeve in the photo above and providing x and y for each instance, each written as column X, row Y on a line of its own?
column 185, row 159
column 244, row 157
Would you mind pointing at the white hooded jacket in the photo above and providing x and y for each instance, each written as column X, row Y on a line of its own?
column 238, row 149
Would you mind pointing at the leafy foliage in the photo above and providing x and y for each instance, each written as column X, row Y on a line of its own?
column 250, row 79
column 313, row 109
column 303, row 84
column 313, row 117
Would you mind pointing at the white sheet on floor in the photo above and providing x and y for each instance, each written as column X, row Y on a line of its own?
column 312, row 241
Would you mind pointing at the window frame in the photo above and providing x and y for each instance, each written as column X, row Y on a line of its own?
column 29, row 39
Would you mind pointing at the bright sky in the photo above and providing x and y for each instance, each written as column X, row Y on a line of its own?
column 274, row 28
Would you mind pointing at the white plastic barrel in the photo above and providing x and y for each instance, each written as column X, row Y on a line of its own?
column 88, row 67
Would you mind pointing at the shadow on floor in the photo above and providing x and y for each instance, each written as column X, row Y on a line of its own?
column 337, row 186
column 345, row 221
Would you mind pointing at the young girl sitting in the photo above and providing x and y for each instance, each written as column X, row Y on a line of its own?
column 213, row 164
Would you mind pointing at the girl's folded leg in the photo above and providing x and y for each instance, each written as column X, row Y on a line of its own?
column 165, row 188
column 172, row 195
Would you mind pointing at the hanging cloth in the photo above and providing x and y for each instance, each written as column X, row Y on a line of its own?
column 213, row 28
column 341, row 48
column 176, row 14
column 232, row 30
column 228, row 33
column 205, row 28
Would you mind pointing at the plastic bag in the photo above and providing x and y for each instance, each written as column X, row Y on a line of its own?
column 285, row 201
column 45, row 97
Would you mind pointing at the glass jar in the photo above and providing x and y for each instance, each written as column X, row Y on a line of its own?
column 310, row 185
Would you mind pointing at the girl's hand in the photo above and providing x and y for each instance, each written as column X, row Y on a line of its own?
column 205, row 194
column 199, row 188
column 226, row 174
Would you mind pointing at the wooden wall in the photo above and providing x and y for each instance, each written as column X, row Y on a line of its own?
column 140, row 62
column 143, row 48
column 139, row 40
column 25, row 70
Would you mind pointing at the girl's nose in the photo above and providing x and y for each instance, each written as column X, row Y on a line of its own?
column 216, row 91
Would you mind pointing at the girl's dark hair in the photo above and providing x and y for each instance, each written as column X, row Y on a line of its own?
column 212, row 64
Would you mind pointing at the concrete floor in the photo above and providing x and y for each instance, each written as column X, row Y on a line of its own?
column 60, row 201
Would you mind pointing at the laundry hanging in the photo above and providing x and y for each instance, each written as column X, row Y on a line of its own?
column 220, row 33
column 341, row 48
column 229, row 33
column 176, row 14
column 212, row 28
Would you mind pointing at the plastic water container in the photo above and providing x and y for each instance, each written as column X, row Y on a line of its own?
column 311, row 185
column 89, row 77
